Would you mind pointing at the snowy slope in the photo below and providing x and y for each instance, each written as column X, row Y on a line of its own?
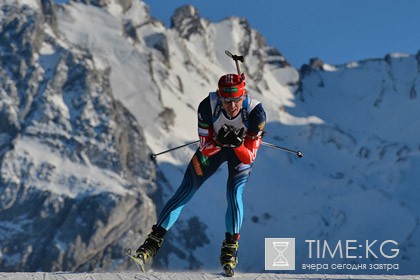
column 188, row 275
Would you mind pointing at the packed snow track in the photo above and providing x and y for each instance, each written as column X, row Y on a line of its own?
column 189, row 275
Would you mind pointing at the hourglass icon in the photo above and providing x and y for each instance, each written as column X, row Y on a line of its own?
column 280, row 247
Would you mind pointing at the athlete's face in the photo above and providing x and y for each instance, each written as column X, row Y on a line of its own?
column 233, row 107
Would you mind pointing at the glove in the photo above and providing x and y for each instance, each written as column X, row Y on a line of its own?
column 230, row 136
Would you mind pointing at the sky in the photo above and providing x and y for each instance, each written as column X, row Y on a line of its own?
column 336, row 31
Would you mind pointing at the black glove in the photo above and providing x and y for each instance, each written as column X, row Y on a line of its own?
column 230, row 136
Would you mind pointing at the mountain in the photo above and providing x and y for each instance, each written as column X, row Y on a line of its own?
column 90, row 88
column 75, row 174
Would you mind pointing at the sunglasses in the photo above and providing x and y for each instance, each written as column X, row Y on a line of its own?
column 230, row 99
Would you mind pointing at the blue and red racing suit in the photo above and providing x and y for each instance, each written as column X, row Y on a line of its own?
column 208, row 158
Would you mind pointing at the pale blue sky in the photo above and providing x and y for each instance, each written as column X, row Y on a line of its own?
column 337, row 31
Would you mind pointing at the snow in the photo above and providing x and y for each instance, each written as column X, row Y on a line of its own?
column 138, row 13
column 190, row 275
column 352, row 65
column 103, row 37
column 114, row 8
column 328, row 67
column 51, row 173
column 31, row 3
column 46, row 48
column 288, row 119
column 399, row 55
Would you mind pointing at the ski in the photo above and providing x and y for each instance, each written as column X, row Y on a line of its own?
column 228, row 270
column 138, row 260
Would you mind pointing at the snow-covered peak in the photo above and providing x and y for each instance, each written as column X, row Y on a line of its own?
column 123, row 4
column 187, row 21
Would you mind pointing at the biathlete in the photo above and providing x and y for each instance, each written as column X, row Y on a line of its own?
column 230, row 129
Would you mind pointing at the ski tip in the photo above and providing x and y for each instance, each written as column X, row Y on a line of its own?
column 228, row 270
column 138, row 260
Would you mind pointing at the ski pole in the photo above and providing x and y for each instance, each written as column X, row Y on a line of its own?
column 298, row 153
column 154, row 156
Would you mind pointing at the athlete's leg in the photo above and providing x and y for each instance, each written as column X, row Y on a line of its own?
column 238, row 177
column 199, row 170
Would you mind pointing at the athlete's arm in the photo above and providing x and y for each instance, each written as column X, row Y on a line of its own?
column 247, row 151
column 205, row 129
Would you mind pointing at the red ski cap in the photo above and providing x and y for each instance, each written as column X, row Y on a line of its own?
column 231, row 86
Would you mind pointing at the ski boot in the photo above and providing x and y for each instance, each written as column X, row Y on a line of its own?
column 229, row 254
column 149, row 248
